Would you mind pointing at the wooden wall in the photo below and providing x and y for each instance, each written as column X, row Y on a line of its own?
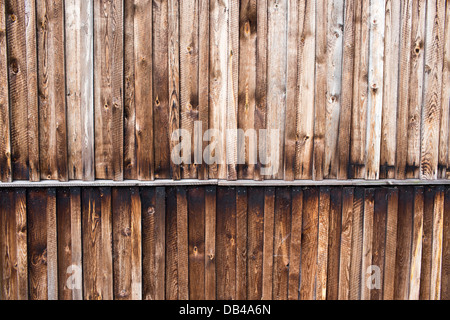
column 213, row 242
column 94, row 89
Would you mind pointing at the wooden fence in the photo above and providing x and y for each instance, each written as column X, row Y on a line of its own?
column 213, row 242
column 94, row 89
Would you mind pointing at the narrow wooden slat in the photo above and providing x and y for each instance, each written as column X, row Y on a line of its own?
column 108, row 90
column 390, row 89
column 68, row 210
column 13, row 245
column 182, row 244
column 305, row 113
column 189, row 65
column 431, row 112
column 226, row 244
column 425, row 270
column 333, row 77
column 160, row 73
column 22, row 72
column 42, row 252
column 174, row 80
column 247, row 87
column 97, row 244
column 379, row 241
column 334, row 243
column 309, row 244
column 218, row 77
column 196, row 225
column 79, row 53
column 210, row 243
column 171, row 280
column 295, row 245
column 348, row 64
column 416, row 255
column 346, row 243
column 369, row 199
column 241, row 243
column 52, row 98
column 445, row 285
column 376, row 94
column 391, row 242
column 282, row 239
column 357, row 162
column 136, row 245
column 357, row 245
column 268, row 243
column 324, row 226
column 5, row 139
column 261, row 81
column 143, row 68
column 404, row 242
column 438, row 229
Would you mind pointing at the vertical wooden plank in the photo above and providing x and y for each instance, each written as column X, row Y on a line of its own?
column 241, row 243
column 322, row 261
column 445, row 285
column 261, row 82
column 97, row 244
column 182, row 244
column 357, row 168
column 268, row 243
column 425, row 270
column 309, row 244
column 218, row 77
column 295, row 244
column 22, row 71
column 348, row 64
column 438, row 229
column 189, row 65
column 203, row 84
column 255, row 243
column 333, row 77
column 68, row 209
column 174, row 80
column 444, row 135
column 210, row 243
column 171, row 282
column 136, row 245
column 79, row 52
column 161, row 89
column 13, row 245
column 129, row 103
column 42, row 252
column 153, row 243
column 346, row 243
column 357, row 244
column 232, row 89
column 52, row 97
column 108, row 91
column 226, row 244
column 431, row 112
column 305, row 113
column 5, row 138
column 143, row 68
column 379, row 240
column 404, row 235
column 282, row 239
column 196, row 224
column 416, row 255
column 376, row 94
column 334, row 243
column 390, row 89
column 369, row 203
column 247, row 88
column 403, row 88
column 391, row 241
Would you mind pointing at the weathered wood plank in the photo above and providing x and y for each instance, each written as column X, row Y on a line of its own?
column 445, row 285
column 357, row 245
column 324, row 226
column 425, row 270
column 295, row 244
column 346, row 243
column 438, row 229
column 268, row 241
column 171, row 281
column 416, row 255
column 182, row 244
column 369, row 202
column 379, row 242
column 210, row 243
column 391, row 241
column 241, row 243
